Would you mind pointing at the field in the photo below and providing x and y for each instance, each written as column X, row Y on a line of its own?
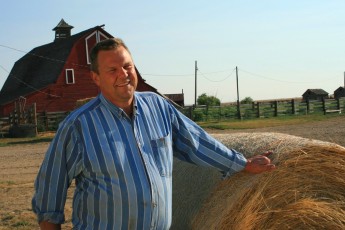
column 20, row 160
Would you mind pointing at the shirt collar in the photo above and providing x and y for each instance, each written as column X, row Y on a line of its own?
column 115, row 109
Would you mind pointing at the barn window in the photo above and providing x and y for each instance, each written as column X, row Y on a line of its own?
column 91, row 40
column 70, row 76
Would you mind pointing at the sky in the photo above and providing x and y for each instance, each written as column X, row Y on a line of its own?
column 280, row 48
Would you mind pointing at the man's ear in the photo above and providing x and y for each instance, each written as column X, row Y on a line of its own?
column 95, row 78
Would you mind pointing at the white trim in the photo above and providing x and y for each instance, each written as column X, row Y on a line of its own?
column 87, row 47
column 71, row 71
column 98, row 39
column 99, row 33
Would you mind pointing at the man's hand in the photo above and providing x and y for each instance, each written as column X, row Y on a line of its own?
column 45, row 225
column 260, row 163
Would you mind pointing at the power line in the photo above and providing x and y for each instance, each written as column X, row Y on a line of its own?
column 166, row 75
column 279, row 80
column 217, row 80
column 186, row 75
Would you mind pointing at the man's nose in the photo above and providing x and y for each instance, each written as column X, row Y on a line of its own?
column 123, row 72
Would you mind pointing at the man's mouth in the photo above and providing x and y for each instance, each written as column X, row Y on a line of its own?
column 122, row 84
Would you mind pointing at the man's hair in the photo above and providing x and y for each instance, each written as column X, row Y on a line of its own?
column 108, row 44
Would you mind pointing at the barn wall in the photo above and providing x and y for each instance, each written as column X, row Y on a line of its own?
column 83, row 86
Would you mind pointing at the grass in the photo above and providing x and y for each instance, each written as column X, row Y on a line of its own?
column 10, row 182
column 20, row 224
column 42, row 137
column 264, row 122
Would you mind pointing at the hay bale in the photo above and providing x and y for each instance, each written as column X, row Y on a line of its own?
column 191, row 187
column 83, row 101
column 306, row 191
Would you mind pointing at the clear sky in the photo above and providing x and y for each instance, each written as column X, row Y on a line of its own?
column 281, row 48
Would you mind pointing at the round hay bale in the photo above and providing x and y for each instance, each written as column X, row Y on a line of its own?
column 306, row 191
column 191, row 187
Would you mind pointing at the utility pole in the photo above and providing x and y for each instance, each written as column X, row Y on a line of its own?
column 238, row 96
column 196, row 70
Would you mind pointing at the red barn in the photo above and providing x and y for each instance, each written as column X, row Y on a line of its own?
column 56, row 75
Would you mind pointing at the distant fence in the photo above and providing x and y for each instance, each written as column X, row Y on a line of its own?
column 44, row 121
column 264, row 109
column 49, row 121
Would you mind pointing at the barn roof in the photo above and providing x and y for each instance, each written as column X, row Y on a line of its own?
column 39, row 68
column 63, row 24
column 175, row 96
column 316, row 92
column 340, row 89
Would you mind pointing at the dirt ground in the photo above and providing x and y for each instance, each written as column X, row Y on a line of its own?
column 19, row 165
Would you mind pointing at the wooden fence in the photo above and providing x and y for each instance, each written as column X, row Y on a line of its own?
column 49, row 121
column 44, row 121
column 264, row 109
column 21, row 122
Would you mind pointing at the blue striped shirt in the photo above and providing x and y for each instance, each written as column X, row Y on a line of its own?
column 123, row 166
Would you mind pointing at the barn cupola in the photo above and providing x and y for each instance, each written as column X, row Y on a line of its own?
column 62, row 30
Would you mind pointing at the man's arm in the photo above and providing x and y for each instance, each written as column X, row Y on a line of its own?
column 54, row 178
column 45, row 225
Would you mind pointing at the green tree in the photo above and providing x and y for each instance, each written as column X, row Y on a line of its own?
column 247, row 100
column 203, row 99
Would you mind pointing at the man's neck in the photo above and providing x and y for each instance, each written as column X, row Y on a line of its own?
column 127, row 107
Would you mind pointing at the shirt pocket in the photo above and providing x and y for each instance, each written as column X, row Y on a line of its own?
column 162, row 155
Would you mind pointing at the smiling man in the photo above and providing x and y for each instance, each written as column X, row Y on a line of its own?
column 119, row 148
column 114, row 73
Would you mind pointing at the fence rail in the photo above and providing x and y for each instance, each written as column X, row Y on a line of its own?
column 264, row 109
column 45, row 121
column 49, row 121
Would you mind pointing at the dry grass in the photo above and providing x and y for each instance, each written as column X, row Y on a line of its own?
column 306, row 191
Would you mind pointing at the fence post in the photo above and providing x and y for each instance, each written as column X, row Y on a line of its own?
column 15, row 113
column 239, row 116
column 258, row 109
column 293, row 107
column 35, row 117
column 220, row 113
column 338, row 103
column 253, row 108
column 45, row 120
column 191, row 113
column 10, row 116
column 324, row 105
column 275, row 108
column 308, row 106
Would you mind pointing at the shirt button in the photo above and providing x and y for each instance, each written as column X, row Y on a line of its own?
column 154, row 204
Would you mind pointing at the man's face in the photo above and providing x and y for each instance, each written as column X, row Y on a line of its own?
column 116, row 76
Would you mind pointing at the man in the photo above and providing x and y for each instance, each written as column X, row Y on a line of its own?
column 119, row 149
